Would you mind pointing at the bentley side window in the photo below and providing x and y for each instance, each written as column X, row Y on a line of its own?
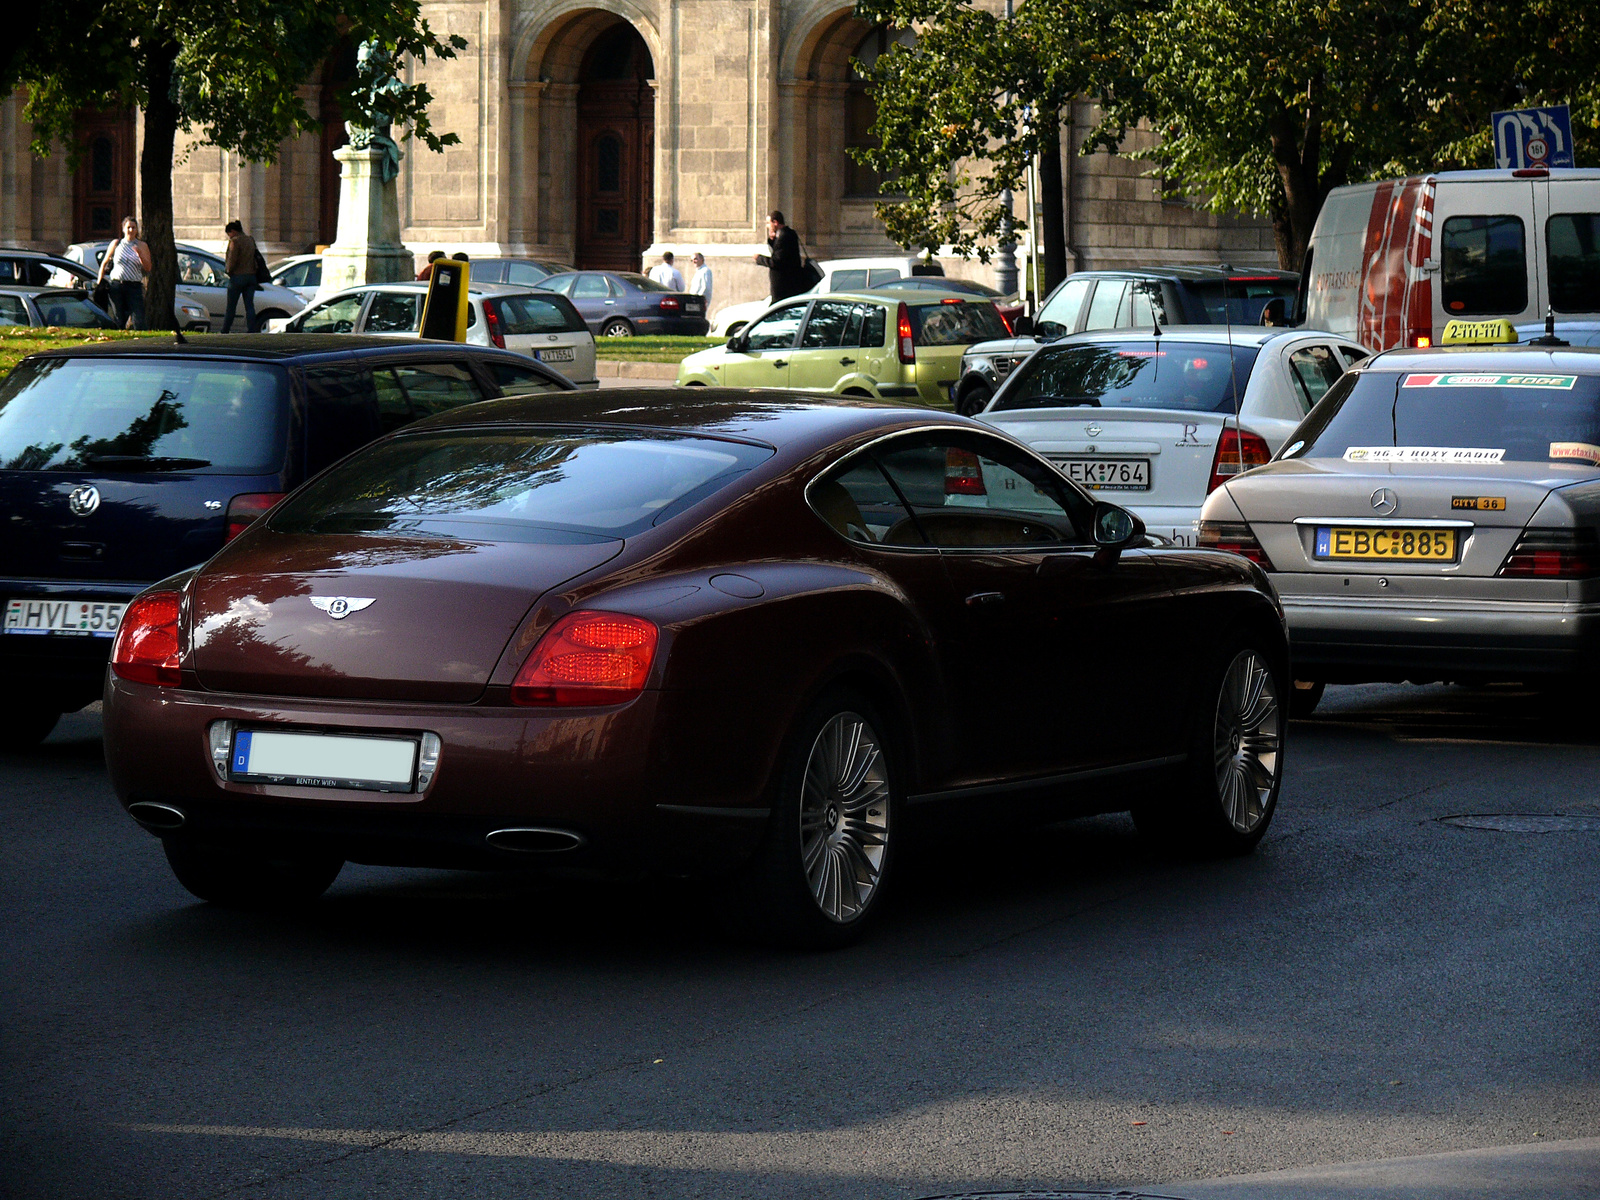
column 859, row 503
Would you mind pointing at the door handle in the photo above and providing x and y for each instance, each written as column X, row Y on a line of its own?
column 781, row 362
column 981, row 598
column 846, row 362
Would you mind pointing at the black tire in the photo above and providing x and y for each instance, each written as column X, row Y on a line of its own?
column 24, row 728
column 1304, row 696
column 970, row 402
column 616, row 327
column 1219, row 806
column 233, row 878
column 785, row 902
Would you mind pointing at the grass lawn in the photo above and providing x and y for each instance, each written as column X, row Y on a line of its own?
column 652, row 349
column 17, row 342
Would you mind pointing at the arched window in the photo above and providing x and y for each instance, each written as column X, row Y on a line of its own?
column 861, row 110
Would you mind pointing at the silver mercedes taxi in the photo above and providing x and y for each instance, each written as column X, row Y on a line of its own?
column 1436, row 517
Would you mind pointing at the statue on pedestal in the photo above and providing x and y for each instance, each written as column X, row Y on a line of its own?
column 376, row 84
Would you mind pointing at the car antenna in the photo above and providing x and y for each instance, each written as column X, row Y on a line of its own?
column 1549, row 338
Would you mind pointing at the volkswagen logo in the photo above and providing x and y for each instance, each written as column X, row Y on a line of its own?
column 1384, row 501
column 83, row 500
column 1093, row 430
column 340, row 607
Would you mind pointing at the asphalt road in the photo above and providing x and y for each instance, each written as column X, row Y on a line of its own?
column 1039, row 1008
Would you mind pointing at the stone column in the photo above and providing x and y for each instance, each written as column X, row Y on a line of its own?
column 368, row 247
column 522, row 184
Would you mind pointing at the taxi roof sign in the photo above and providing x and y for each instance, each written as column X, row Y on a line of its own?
column 1478, row 333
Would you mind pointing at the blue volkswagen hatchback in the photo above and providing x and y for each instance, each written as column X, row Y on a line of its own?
column 125, row 462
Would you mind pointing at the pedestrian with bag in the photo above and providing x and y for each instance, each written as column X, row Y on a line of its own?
column 246, row 269
column 786, row 268
column 128, row 262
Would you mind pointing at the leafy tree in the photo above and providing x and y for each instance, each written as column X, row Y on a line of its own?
column 228, row 73
column 961, row 114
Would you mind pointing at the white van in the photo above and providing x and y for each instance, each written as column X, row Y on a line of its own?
column 1389, row 263
column 838, row 275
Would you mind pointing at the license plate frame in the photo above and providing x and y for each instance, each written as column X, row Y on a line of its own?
column 64, row 616
column 1344, row 543
column 1135, row 480
column 322, row 758
column 694, row 308
column 555, row 354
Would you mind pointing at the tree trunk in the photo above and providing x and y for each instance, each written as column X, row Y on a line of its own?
column 1283, row 238
column 1053, row 224
column 155, row 185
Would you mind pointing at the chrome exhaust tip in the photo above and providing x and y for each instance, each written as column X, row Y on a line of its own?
column 534, row 840
column 157, row 816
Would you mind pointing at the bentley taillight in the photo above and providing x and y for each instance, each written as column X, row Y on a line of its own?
column 1237, row 451
column 588, row 658
column 1553, row 554
column 146, row 649
column 1236, row 538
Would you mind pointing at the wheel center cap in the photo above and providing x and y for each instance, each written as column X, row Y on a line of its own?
column 833, row 816
column 1237, row 741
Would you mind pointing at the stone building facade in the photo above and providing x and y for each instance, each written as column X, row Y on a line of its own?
column 603, row 132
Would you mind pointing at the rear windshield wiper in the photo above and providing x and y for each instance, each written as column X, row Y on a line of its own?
column 145, row 462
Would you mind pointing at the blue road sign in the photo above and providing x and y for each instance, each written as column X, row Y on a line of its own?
column 1533, row 137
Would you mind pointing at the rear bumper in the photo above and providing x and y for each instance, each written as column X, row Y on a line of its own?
column 1361, row 639
column 603, row 775
column 673, row 326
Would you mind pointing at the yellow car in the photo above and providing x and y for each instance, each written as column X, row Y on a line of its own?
column 888, row 344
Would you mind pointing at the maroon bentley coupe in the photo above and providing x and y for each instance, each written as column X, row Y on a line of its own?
column 743, row 634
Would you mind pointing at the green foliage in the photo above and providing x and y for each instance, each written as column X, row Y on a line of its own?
column 962, row 113
column 237, row 67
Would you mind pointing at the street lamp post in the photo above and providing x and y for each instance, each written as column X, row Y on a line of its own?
column 1006, row 269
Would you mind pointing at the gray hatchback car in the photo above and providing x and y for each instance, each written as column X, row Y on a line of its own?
column 1435, row 517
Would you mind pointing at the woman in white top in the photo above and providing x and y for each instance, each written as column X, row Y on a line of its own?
column 128, row 260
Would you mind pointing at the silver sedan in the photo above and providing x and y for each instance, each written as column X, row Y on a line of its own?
column 1436, row 517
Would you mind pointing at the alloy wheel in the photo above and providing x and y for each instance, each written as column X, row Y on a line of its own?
column 1249, row 740
column 844, row 817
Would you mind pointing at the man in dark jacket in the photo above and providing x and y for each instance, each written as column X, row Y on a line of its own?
column 785, row 268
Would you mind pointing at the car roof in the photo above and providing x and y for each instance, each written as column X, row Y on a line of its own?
column 1572, row 359
column 770, row 416
column 1194, row 274
column 1221, row 335
column 918, row 296
column 421, row 285
column 272, row 347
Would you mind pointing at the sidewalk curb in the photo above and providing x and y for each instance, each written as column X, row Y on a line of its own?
column 617, row 368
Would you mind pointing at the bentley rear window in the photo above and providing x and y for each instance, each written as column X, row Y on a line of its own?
column 1190, row 376
column 517, row 485
column 1440, row 416
column 116, row 415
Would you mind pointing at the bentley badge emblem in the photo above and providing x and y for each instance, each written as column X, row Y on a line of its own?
column 1092, row 429
column 83, row 500
column 1384, row 501
column 340, row 607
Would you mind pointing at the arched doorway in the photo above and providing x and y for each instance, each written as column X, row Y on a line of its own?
column 102, row 186
column 616, row 151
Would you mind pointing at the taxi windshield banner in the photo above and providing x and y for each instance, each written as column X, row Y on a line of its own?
column 1422, row 454
column 1559, row 382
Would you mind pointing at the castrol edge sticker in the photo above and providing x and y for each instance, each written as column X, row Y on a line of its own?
column 1560, row 382
column 1423, row 454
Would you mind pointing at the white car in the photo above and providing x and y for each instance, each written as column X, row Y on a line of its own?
column 1151, row 419
column 301, row 274
column 838, row 275
column 542, row 325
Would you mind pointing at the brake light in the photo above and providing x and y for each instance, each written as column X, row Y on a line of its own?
column 1236, row 538
column 1237, row 451
column 671, row 304
column 908, row 340
column 1553, row 554
column 1010, row 325
column 492, row 318
column 1530, row 173
column 1422, row 341
column 963, row 474
column 146, row 649
column 245, row 509
column 588, row 658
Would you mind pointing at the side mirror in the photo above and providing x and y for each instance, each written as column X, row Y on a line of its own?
column 1022, row 326
column 737, row 344
column 1115, row 527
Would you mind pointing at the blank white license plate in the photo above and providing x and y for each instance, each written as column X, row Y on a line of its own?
column 323, row 760
column 555, row 354
column 694, row 306
column 1108, row 474
column 72, row 618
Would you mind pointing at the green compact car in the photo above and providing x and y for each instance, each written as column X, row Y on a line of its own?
column 885, row 344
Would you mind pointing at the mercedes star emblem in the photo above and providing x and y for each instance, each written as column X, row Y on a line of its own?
column 340, row 607
column 1384, row 502
column 1092, row 429
column 83, row 500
